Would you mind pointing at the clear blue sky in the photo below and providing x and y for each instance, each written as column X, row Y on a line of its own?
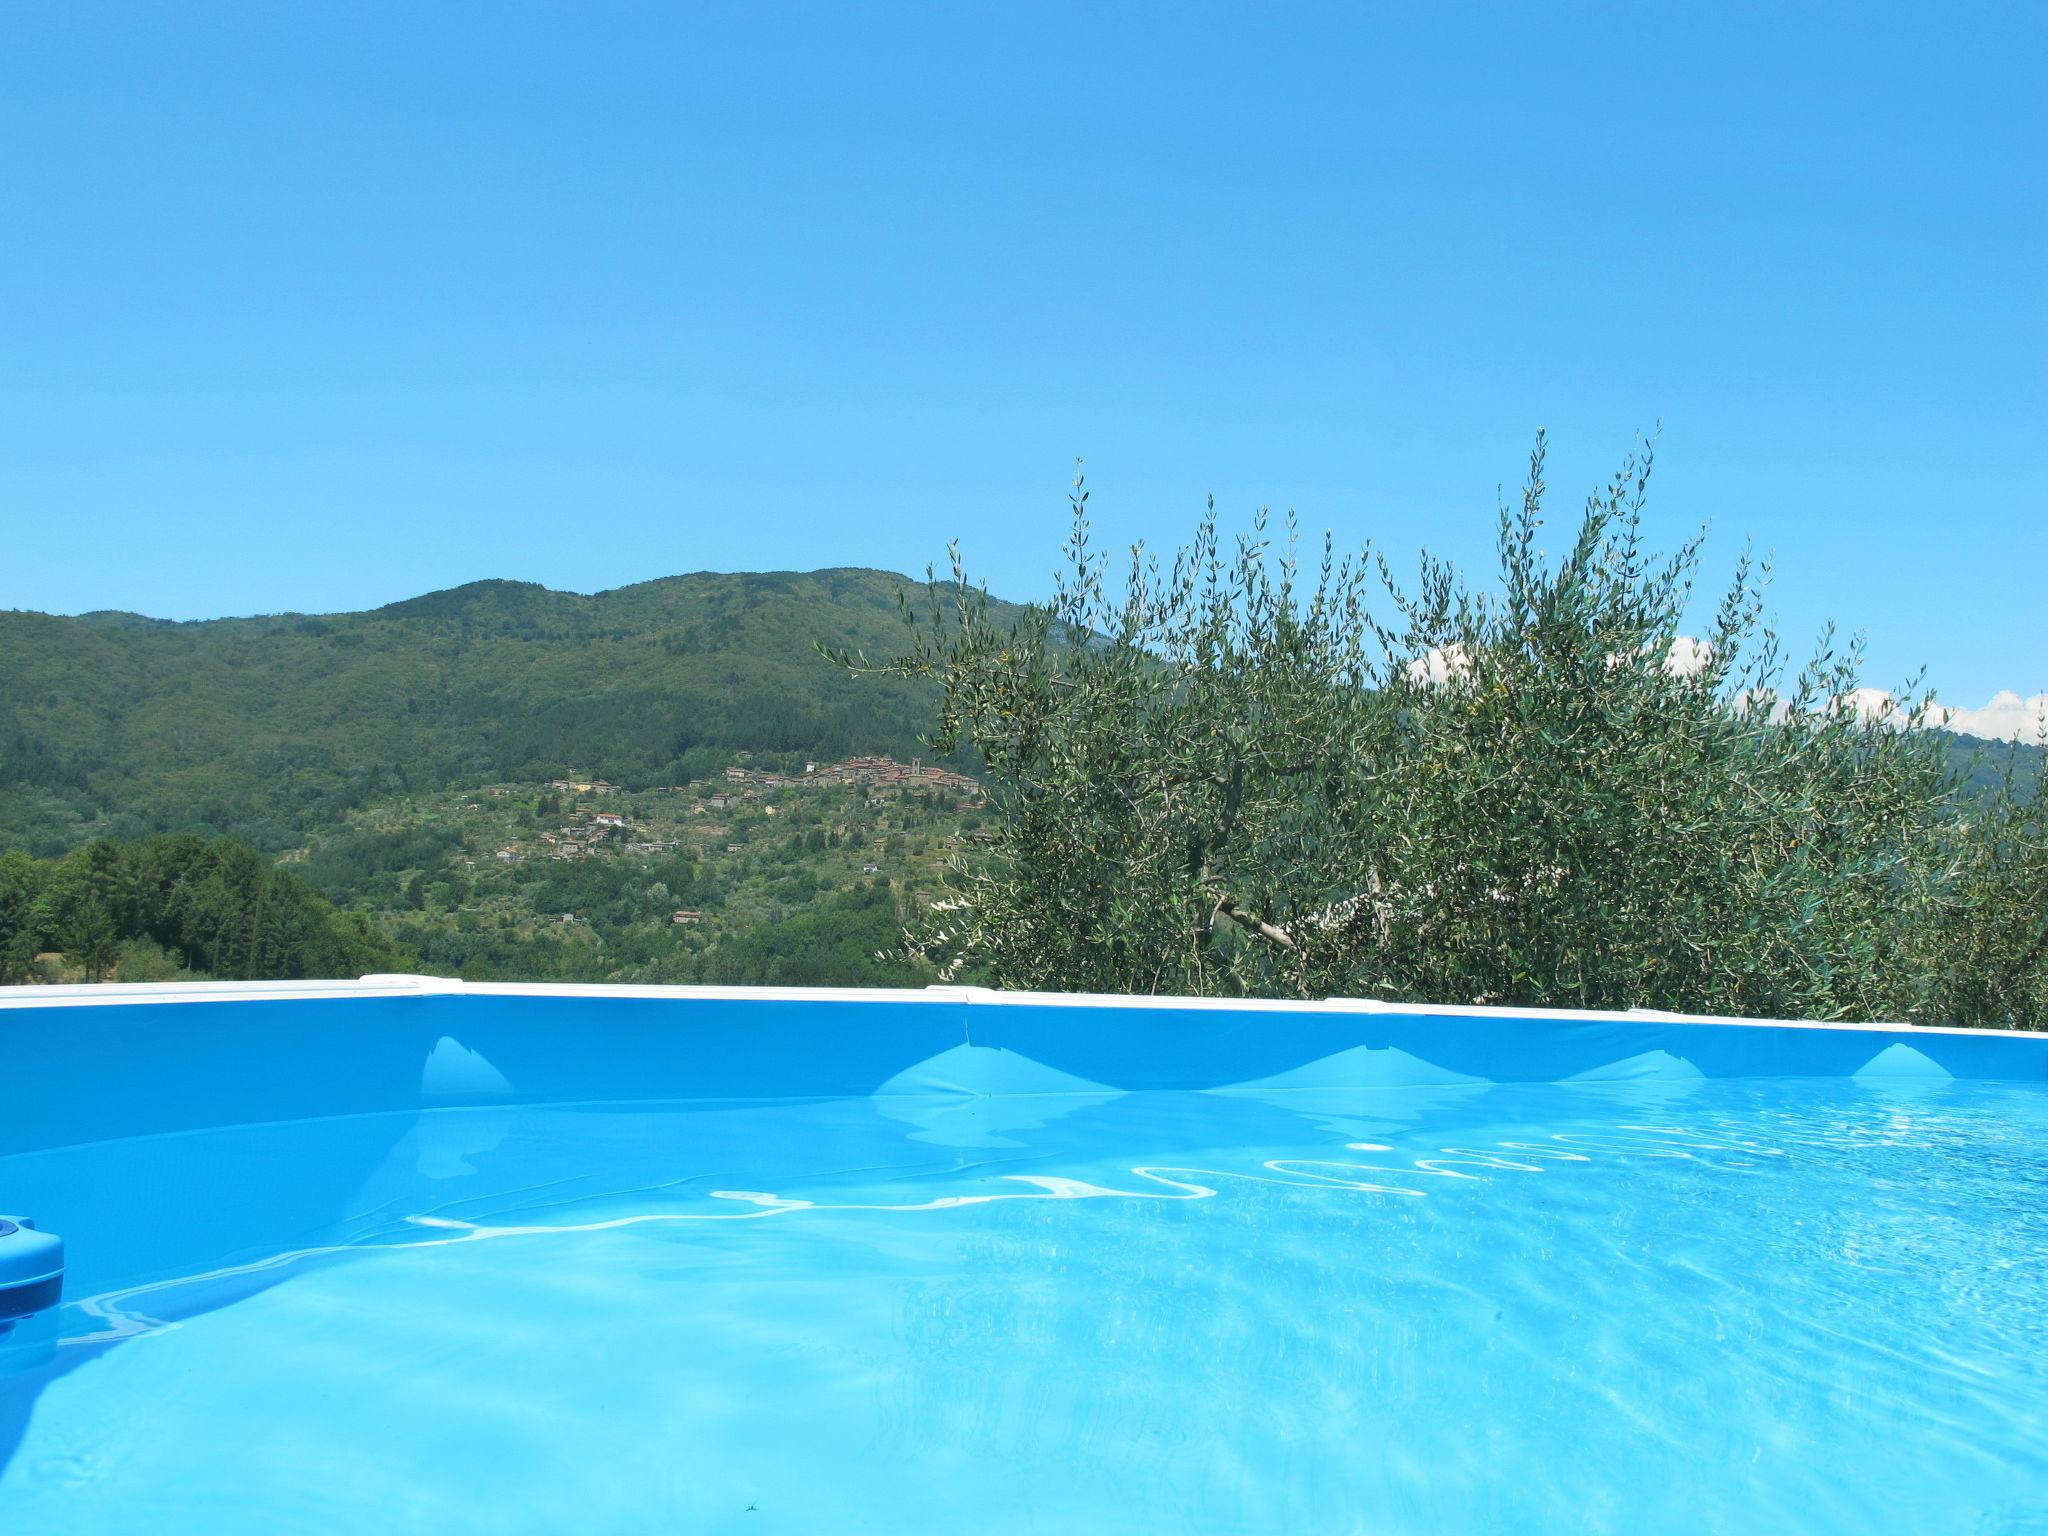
column 319, row 306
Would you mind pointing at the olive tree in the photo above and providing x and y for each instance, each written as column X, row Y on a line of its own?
column 1982, row 953
column 1239, row 771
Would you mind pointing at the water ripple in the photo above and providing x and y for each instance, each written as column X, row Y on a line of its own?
column 122, row 1313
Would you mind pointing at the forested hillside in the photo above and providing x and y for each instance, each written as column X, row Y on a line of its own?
column 398, row 764
column 272, row 729
column 166, row 908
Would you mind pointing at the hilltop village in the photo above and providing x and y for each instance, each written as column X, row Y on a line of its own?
column 601, row 822
column 671, row 881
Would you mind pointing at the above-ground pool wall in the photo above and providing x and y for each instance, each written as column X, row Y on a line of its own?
column 1160, row 1044
column 135, row 1067
column 136, row 1061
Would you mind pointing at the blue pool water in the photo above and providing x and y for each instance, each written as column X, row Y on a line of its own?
column 896, row 1264
column 1659, row 1302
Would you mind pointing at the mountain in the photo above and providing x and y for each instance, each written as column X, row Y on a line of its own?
column 273, row 729
column 397, row 762
column 264, row 727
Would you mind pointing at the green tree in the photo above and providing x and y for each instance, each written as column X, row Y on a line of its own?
column 1236, row 776
column 83, row 904
column 1983, row 954
column 178, row 904
column 21, row 885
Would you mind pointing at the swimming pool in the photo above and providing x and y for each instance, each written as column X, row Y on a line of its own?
column 416, row 1256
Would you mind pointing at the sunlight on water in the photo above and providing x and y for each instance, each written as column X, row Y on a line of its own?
column 1695, row 1308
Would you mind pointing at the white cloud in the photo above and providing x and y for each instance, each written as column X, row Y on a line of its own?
column 1875, row 704
column 1688, row 656
column 1437, row 667
column 2008, row 717
column 1779, row 712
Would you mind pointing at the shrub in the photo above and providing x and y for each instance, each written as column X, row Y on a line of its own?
column 1234, row 775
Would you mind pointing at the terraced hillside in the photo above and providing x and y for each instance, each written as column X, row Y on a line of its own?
column 272, row 729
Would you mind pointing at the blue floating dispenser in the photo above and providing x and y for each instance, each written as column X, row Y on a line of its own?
column 31, row 1269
